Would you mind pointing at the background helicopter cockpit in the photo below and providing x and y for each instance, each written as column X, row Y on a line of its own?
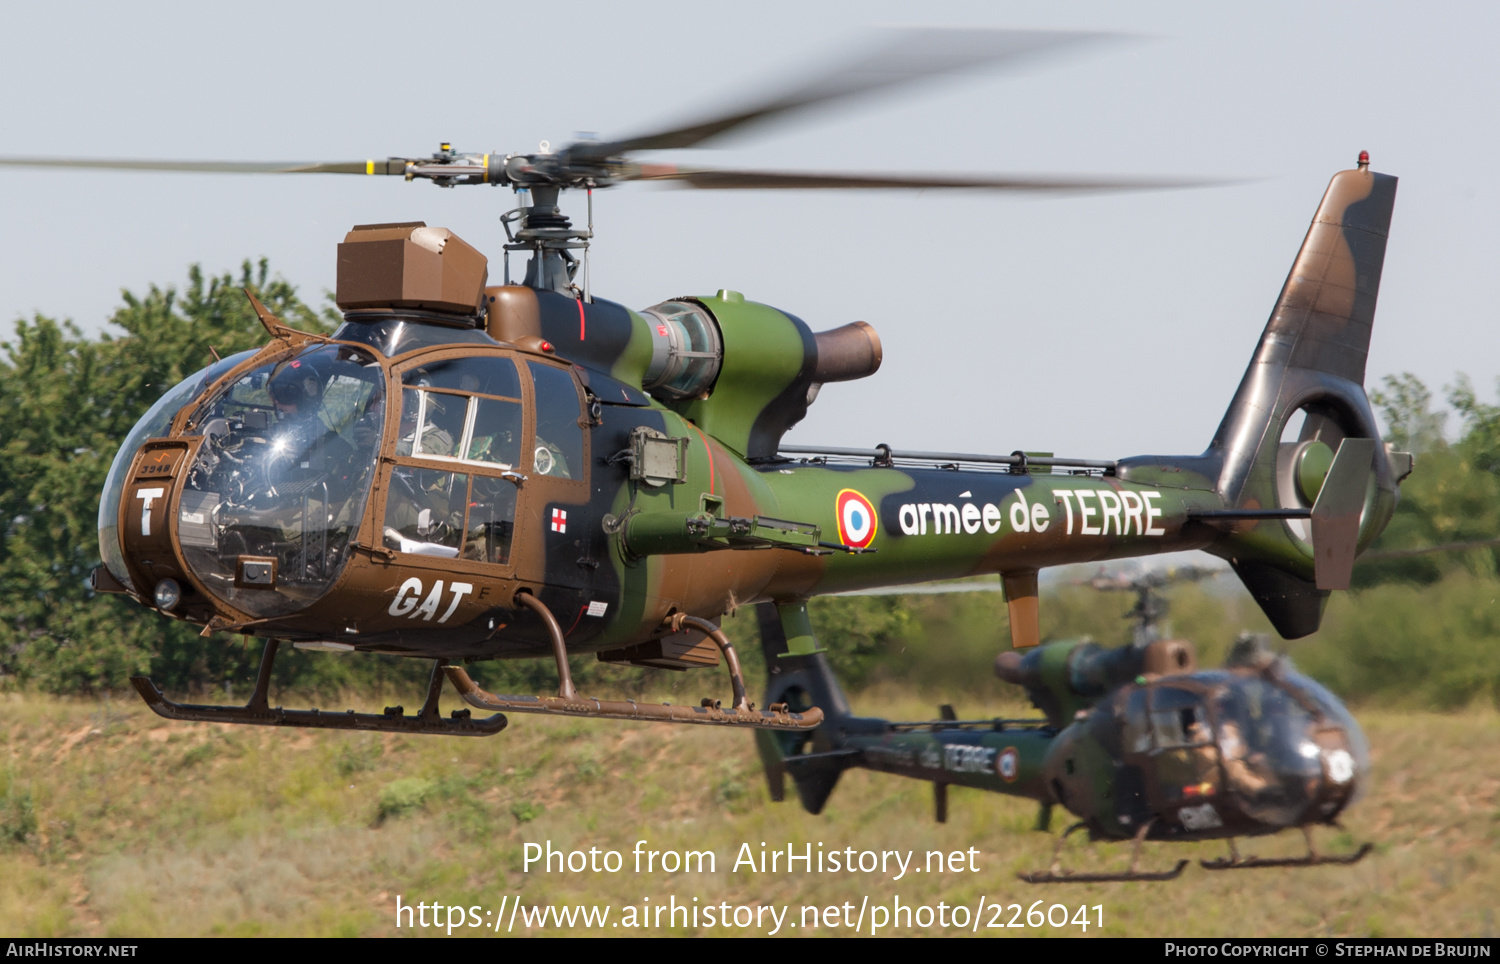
column 1250, row 749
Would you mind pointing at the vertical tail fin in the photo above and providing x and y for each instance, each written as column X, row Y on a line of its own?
column 1310, row 362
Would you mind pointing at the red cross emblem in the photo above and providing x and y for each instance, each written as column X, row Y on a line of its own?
column 559, row 520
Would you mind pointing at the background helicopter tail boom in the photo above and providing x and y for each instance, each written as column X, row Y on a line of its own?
column 1004, row 756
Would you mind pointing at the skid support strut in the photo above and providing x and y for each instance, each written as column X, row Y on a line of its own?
column 258, row 711
column 567, row 702
column 1056, row 875
column 1312, row 859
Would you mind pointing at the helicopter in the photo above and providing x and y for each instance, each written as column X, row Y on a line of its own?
column 465, row 471
column 1136, row 741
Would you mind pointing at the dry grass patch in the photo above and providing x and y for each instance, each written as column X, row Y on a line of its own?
column 145, row 828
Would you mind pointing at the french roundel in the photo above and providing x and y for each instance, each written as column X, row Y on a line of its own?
column 856, row 519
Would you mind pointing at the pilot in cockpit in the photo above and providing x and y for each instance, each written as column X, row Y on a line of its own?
column 425, row 507
column 435, row 440
column 296, row 388
column 312, row 444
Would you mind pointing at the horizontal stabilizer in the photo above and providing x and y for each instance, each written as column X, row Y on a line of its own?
column 1336, row 513
column 797, row 762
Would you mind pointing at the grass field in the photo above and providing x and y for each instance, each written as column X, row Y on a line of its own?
column 116, row 823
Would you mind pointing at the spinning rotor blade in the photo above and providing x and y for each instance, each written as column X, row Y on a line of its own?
column 906, row 56
column 910, row 54
column 707, row 179
column 928, row 588
column 1380, row 555
column 395, row 165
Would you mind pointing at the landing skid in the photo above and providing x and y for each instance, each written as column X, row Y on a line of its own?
column 1311, row 859
column 1066, row 877
column 258, row 712
column 567, row 702
column 709, row 713
column 1056, row 875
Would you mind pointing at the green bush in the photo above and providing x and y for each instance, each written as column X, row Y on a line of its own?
column 400, row 797
column 18, row 824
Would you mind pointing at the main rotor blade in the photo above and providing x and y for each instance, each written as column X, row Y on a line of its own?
column 928, row 588
column 1381, row 555
column 721, row 180
column 910, row 54
column 394, row 165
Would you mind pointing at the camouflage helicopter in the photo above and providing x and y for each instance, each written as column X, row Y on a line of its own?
column 1136, row 742
column 466, row 471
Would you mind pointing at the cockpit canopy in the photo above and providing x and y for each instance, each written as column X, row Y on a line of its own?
column 155, row 423
column 282, row 477
column 1276, row 747
column 284, row 455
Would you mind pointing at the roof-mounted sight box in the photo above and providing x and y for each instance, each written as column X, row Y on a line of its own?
column 410, row 266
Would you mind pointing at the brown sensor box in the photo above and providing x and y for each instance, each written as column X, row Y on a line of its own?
column 410, row 266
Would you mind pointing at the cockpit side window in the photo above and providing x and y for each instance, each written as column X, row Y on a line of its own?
column 1184, row 758
column 425, row 512
column 1137, row 729
column 559, row 432
column 474, row 375
column 432, row 423
column 492, row 513
column 463, row 408
column 1178, row 718
column 466, row 416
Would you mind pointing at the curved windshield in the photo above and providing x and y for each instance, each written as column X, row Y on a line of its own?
column 278, row 488
column 1271, row 760
column 1346, row 751
column 153, row 424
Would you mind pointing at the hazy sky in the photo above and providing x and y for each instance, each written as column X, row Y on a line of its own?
column 1091, row 326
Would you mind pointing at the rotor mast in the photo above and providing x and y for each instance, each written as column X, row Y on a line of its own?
column 551, row 238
